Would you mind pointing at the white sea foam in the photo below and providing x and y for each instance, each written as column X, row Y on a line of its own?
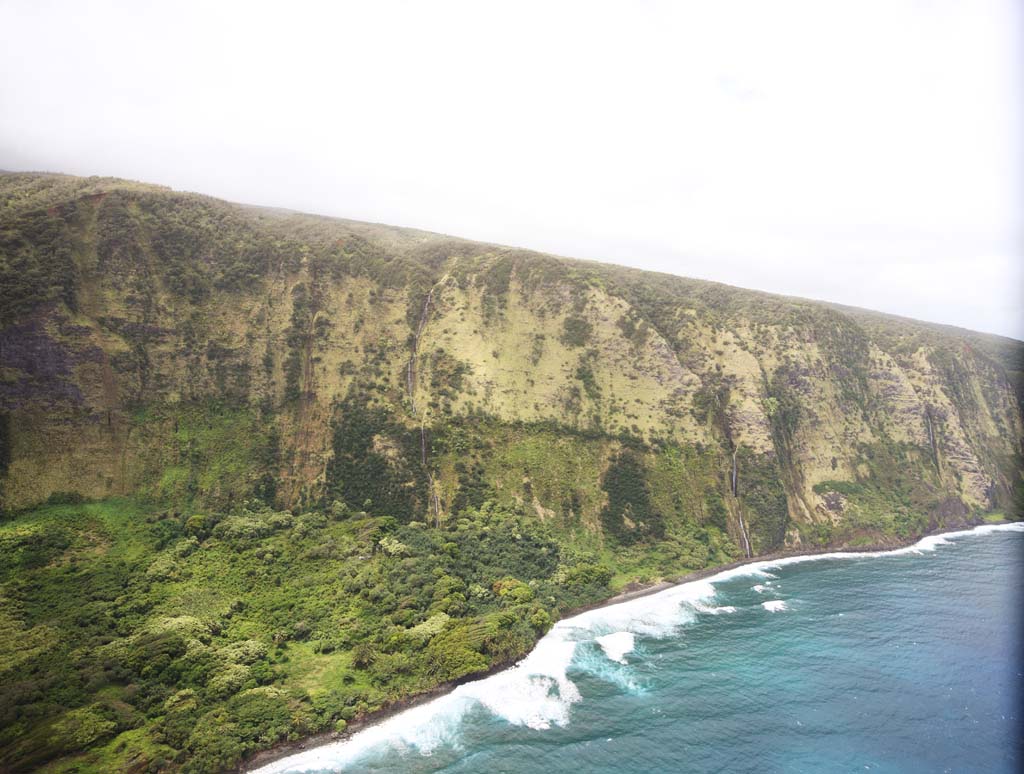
column 617, row 645
column 537, row 692
column 760, row 588
column 710, row 610
column 654, row 615
column 774, row 606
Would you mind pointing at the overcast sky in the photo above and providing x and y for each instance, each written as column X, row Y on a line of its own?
column 861, row 152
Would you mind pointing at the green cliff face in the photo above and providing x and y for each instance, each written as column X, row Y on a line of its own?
column 263, row 474
column 199, row 353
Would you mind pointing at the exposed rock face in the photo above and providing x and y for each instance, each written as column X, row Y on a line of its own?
column 184, row 348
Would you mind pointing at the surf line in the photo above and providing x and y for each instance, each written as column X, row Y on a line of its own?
column 523, row 694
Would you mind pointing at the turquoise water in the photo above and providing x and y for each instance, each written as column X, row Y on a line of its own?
column 904, row 662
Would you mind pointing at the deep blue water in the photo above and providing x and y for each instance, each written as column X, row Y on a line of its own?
column 905, row 662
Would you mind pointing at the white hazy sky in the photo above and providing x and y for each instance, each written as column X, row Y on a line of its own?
column 856, row 151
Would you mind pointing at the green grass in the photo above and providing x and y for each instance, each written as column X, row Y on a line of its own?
column 204, row 452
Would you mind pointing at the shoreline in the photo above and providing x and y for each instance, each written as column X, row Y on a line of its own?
column 631, row 592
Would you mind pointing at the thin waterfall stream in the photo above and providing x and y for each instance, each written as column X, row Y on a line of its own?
column 739, row 514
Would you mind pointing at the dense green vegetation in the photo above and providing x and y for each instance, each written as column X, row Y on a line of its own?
column 375, row 462
column 145, row 639
column 629, row 515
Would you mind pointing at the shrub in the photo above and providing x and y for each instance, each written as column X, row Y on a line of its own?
column 576, row 331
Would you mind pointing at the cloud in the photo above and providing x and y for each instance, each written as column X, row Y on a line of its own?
column 805, row 148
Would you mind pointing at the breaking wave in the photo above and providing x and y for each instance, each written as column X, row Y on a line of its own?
column 617, row 645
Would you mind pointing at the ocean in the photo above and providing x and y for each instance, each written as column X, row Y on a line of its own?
column 903, row 661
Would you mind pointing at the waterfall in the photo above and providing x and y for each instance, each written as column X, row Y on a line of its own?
column 410, row 371
column 435, row 501
column 410, row 386
column 734, row 477
column 746, row 539
column 931, row 436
